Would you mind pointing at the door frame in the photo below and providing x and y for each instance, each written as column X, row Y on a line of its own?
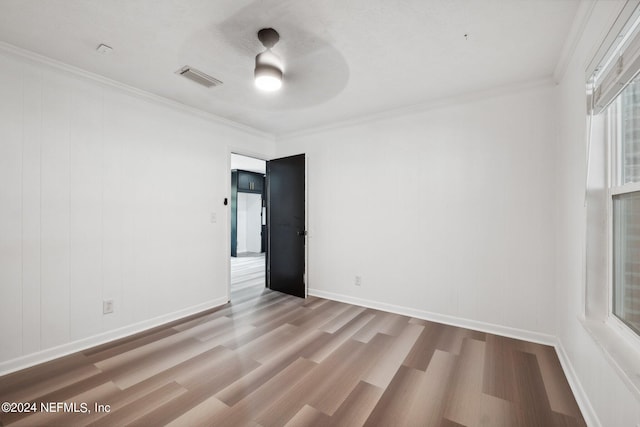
column 262, row 156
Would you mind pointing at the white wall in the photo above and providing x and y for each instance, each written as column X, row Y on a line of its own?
column 613, row 402
column 448, row 211
column 104, row 195
column 249, row 225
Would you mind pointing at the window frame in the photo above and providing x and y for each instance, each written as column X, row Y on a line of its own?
column 614, row 176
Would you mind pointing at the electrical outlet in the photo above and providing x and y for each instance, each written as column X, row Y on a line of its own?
column 107, row 306
column 214, row 218
column 358, row 281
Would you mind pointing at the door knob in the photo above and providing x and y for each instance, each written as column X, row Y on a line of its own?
column 302, row 233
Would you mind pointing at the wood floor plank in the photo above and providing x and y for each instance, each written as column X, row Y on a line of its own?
column 99, row 393
column 448, row 423
column 308, row 416
column 383, row 371
column 213, row 377
column 373, row 327
column 263, row 398
column 531, row 398
column 239, row 309
column 428, row 402
column 357, row 407
column 221, row 336
column 556, row 385
column 346, row 316
column 266, row 313
column 267, row 342
column 298, row 343
column 247, row 271
column 29, row 384
column 255, row 379
column 130, row 371
column 468, row 405
column 341, row 336
column 214, row 325
column 499, row 371
column 149, row 385
column 328, row 384
column 415, row 397
column 199, row 415
column 420, row 355
column 396, row 398
column 394, row 324
column 140, row 407
column 313, row 302
column 147, row 336
column 452, row 337
column 236, row 342
column 318, row 316
column 343, row 374
column 269, row 359
column 174, row 408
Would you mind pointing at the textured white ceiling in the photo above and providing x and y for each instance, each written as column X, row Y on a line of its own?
column 343, row 58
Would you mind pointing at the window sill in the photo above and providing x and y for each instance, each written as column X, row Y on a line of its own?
column 621, row 354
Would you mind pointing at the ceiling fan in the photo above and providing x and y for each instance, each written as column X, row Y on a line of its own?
column 268, row 74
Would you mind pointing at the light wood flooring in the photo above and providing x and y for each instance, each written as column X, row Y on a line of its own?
column 269, row 359
column 247, row 270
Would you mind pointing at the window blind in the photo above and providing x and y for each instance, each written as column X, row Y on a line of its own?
column 617, row 61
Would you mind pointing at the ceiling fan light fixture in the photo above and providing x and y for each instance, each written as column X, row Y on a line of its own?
column 268, row 83
column 268, row 74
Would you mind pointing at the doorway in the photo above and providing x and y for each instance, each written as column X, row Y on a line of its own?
column 268, row 226
column 248, row 225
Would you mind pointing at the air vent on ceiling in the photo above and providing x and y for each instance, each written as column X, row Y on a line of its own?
column 198, row 76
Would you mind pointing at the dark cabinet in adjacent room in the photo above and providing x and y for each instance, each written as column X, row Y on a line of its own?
column 250, row 182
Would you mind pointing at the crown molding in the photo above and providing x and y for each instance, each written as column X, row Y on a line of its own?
column 130, row 90
column 585, row 9
column 362, row 119
column 459, row 99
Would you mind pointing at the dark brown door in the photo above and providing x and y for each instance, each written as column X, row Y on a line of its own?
column 286, row 225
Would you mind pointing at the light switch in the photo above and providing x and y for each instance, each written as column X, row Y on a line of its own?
column 214, row 218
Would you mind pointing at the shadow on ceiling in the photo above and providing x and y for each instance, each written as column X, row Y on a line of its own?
column 315, row 71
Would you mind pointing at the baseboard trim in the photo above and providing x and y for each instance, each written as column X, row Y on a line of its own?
column 32, row 359
column 589, row 414
column 491, row 328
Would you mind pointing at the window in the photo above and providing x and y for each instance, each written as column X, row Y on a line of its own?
column 625, row 205
column 612, row 197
